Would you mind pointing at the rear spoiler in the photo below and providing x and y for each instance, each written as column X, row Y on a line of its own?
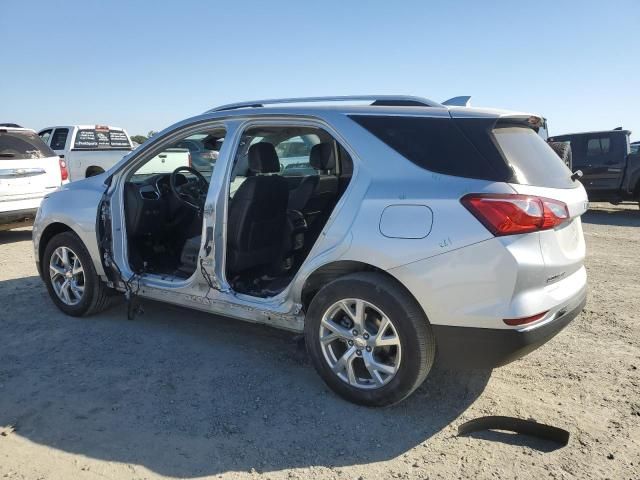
column 462, row 101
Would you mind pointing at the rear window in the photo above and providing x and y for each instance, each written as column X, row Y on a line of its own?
column 16, row 145
column 533, row 161
column 92, row 139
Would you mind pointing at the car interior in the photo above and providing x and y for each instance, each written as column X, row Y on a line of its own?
column 164, row 200
column 284, row 185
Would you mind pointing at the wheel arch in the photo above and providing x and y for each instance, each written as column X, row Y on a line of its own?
column 329, row 272
column 93, row 170
column 47, row 234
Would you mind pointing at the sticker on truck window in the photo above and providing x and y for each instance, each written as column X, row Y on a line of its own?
column 101, row 139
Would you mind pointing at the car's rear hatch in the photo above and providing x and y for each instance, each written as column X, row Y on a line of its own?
column 538, row 171
column 28, row 167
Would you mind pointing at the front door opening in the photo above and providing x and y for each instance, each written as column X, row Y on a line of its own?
column 164, row 201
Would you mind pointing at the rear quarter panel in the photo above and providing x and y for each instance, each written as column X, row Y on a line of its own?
column 382, row 179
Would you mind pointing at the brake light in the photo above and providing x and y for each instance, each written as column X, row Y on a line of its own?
column 64, row 171
column 512, row 214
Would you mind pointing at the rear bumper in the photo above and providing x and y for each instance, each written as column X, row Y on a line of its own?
column 468, row 347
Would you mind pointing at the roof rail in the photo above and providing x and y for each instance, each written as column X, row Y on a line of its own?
column 380, row 100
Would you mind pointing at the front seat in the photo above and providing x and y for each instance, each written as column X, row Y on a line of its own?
column 258, row 213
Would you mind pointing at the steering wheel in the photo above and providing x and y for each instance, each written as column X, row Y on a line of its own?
column 192, row 194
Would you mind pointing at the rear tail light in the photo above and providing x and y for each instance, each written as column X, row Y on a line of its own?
column 189, row 157
column 64, row 171
column 511, row 214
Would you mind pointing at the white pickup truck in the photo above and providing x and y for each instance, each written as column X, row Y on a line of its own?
column 89, row 150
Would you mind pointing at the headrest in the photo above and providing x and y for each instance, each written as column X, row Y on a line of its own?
column 322, row 157
column 263, row 158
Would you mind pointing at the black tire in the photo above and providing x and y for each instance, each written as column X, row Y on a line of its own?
column 413, row 328
column 93, row 171
column 96, row 296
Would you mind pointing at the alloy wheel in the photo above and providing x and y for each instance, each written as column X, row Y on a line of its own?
column 67, row 275
column 360, row 343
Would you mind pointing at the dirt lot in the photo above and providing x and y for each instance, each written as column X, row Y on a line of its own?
column 177, row 393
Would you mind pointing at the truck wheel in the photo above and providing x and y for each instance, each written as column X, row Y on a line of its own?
column 71, row 278
column 93, row 171
column 369, row 339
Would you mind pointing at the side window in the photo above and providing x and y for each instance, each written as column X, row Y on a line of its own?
column 203, row 149
column 294, row 154
column 293, row 145
column 59, row 138
column 199, row 151
column 45, row 135
column 597, row 146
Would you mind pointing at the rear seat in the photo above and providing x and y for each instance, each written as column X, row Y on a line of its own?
column 316, row 195
column 324, row 196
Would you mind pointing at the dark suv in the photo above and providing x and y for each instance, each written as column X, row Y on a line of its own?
column 610, row 165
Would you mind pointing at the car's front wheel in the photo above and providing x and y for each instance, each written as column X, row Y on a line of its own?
column 71, row 278
column 369, row 339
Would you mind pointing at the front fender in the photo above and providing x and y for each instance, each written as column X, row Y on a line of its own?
column 76, row 207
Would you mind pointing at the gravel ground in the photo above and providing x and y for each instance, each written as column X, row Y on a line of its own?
column 177, row 393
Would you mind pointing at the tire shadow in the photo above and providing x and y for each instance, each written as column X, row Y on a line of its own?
column 189, row 394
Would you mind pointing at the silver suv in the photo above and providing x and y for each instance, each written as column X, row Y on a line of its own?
column 406, row 230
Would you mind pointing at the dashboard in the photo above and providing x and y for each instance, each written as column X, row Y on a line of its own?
column 150, row 205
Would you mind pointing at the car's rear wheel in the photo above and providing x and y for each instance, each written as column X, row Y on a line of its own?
column 71, row 278
column 369, row 339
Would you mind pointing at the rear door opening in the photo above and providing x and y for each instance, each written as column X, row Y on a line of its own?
column 284, row 186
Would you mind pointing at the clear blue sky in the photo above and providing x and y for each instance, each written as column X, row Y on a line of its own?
column 146, row 65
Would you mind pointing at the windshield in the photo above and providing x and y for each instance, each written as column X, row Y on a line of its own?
column 533, row 161
column 22, row 145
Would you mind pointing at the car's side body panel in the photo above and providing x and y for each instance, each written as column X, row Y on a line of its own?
column 75, row 205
